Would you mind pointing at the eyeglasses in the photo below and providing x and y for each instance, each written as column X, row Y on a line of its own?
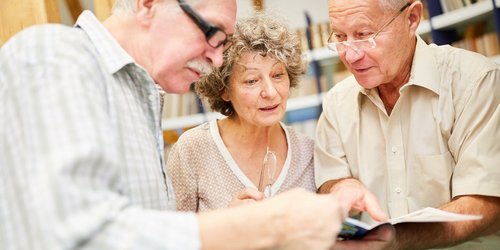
column 362, row 44
column 268, row 169
column 214, row 35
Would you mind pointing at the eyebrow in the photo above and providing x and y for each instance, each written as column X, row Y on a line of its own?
column 249, row 68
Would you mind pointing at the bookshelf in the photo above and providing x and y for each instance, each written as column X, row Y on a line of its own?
column 446, row 20
column 441, row 26
column 295, row 108
column 424, row 27
column 320, row 54
column 463, row 15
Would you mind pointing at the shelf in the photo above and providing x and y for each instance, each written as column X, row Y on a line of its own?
column 294, row 107
column 320, row 54
column 424, row 27
column 304, row 108
column 304, row 102
column 496, row 59
column 189, row 121
column 463, row 15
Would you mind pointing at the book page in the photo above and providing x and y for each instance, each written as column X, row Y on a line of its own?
column 355, row 229
column 430, row 214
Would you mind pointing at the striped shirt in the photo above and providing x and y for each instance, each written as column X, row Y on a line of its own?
column 81, row 148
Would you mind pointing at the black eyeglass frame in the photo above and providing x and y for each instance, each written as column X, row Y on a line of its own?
column 208, row 29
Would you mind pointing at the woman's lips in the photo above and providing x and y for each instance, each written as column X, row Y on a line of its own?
column 361, row 70
column 270, row 108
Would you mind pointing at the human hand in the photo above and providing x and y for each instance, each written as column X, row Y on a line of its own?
column 378, row 238
column 246, row 196
column 355, row 197
column 305, row 220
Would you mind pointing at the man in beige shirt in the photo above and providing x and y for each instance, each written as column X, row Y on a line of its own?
column 417, row 125
column 81, row 146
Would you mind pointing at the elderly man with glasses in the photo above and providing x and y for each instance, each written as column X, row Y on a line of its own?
column 416, row 125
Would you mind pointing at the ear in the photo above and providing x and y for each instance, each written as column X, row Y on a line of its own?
column 225, row 96
column 414, row 15
column 144, row 11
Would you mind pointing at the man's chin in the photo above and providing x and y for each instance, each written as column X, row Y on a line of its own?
column 367, row 83
column 177, row 88
column 178, row 91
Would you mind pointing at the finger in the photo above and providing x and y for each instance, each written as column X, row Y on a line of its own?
column 346, row 202
column 249, row 193
column 358, row 197
column 373, row 207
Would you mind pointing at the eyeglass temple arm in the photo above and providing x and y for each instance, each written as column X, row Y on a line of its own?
column 394, row 17
column 197, row 19
column 261, row 186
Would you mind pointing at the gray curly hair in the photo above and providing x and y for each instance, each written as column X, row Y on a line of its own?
column 260, row 33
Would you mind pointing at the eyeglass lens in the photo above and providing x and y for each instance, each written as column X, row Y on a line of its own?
column 219, row 38
column 268, row 169
column 355, row 45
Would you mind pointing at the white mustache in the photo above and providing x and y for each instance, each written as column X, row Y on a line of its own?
column 201, row 66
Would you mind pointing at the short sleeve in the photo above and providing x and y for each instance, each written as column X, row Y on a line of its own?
column 474, row 141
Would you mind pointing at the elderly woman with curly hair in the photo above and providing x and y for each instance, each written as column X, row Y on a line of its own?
column 250, row 154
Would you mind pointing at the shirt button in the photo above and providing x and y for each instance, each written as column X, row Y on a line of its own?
column 394, row 150
column 397, row 190
column 152, row 98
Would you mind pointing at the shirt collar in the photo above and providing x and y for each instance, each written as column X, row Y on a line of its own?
column 112, row 54
column 424, row 70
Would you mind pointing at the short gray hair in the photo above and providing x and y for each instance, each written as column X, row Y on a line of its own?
column 127, row 6
column 392, row 5
column 123, row 7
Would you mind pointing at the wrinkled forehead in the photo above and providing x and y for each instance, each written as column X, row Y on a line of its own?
column 353, row 13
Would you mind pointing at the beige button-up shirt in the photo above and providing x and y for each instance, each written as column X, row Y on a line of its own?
column 440, row 141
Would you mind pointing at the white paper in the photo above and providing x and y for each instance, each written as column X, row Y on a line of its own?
column 430, row 214
column 353, row 228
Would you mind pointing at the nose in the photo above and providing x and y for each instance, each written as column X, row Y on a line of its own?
column 353, row 54
column 214, row 55
column 268, row 88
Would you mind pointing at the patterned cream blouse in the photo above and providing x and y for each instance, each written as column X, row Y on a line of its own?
column 205, row 176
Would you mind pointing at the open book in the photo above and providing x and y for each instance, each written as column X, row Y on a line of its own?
column 355, row 229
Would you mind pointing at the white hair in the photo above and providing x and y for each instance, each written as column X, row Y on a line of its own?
column 123, row 7
column 392, row 5
column 127, row 6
